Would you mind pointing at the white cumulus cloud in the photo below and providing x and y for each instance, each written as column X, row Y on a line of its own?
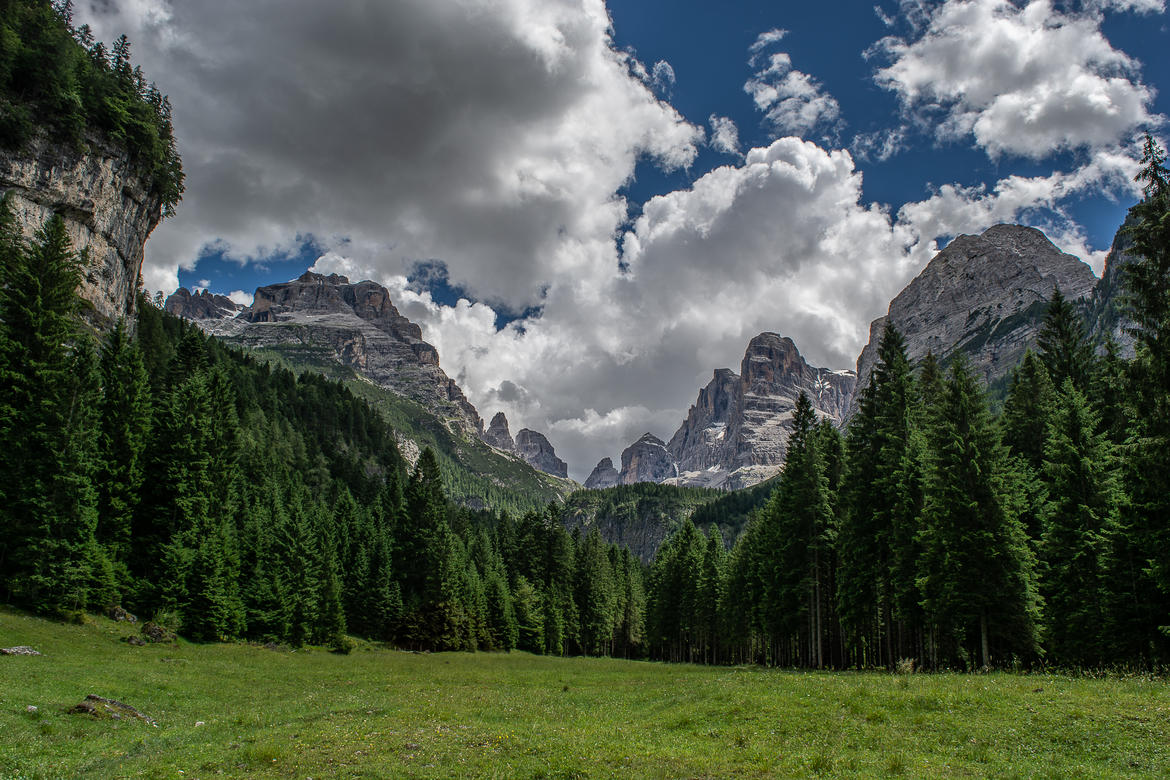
column 724, row 134
column 1026, row 80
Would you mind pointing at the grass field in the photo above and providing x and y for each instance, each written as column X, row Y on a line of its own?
column 247, row 711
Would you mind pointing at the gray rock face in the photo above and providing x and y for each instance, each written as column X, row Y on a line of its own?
column 983, row 295
column 202, row 305
column 737, row 432
column 1106, row 311
column 359, row 327
column 647, row 460
column 497, row 434
column 603, row 475
column 534, row 448
column 108, row 206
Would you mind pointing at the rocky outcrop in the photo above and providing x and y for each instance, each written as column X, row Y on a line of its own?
column 203, row 305
column 357, row 326
column 108, row 206
column 983, row 295
column 604, row 475
column 701, row 442
column 736, row 434
column 536, row 450
column 647, row 460
column 1106, row 311
column 497, row 434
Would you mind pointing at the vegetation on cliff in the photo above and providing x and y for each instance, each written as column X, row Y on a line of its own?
column 57, row 79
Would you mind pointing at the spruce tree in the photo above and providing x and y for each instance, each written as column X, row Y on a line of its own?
column 1079, row 524
column 125, row 417
column 1147, row 282
column 1025, row 422
column 881, row 507
column 804, row 532
column 595, row 595
column 1063, row 344
column 977, row 573
column 49, row 390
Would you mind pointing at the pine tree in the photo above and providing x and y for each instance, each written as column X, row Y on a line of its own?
column 48, row 387
column 1080, row 521
column 977, row 571
column 1064, row 347
column 1147, row 281
column 1025, row 422
column 881, row 507
column 595, row 595
column 804, row 532
column 125, row 417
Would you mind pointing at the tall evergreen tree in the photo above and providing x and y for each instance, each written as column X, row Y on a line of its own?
column 977, row 573
column 1147, row 281
column 49, row 387
column 1079, row 524
column 1025, row 422
column 881, row 506
column 1063, row 344
column 804, row 529
column 125, row 417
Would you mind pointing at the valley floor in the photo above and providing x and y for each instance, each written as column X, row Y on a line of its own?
column 240, row 710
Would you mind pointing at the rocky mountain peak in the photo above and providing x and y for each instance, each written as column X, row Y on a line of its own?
column 357, row 326
column 769, row 359
column 736, row 433
column 604, row 475
column 497, row 434
column 647, row 460
column 202, row 305
column 983, row 295
column 534, row 448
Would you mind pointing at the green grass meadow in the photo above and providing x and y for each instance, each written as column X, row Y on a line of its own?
column 382, row 713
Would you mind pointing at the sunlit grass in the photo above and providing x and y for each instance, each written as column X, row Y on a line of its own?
column 378, row 713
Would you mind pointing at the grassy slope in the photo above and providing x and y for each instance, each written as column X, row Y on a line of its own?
column 390, row 714
column 474, row 473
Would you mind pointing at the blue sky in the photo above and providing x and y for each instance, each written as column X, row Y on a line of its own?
column 592, row 243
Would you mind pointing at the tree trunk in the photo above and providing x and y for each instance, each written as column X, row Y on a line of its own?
column 983, row 640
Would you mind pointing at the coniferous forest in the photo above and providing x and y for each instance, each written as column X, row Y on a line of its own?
column 155, row 469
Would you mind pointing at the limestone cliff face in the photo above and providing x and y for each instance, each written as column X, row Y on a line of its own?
column 534, row 448
column 497, row 434
column 1106, row 310
column 983, row 295
column 604, row 475
column 203, row 305
column 737, row 432
column 359, row 325
column 108, row 206
column 647, row 460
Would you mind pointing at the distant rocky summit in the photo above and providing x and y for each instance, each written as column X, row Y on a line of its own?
column 536, row 450
column 647, row 460
column 604, row 475
column 497, row 434
column 203, row 305
column 736, row 434
column 356, row 325
column 983, row 295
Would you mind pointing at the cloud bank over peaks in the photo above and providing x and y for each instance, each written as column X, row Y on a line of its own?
column 1024, row 80
column 493, row 134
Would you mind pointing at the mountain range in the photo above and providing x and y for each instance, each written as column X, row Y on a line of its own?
column 983, row 295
